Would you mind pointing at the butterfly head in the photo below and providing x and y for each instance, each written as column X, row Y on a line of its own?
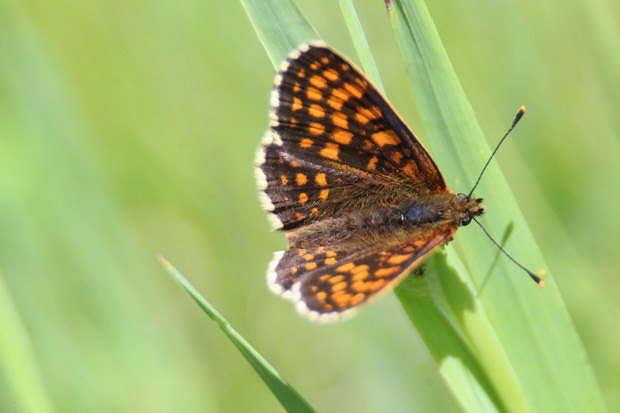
column 468, row 208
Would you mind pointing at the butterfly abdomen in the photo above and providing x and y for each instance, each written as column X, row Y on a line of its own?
column 379, row 223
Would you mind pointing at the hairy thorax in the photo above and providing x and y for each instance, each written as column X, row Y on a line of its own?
column 390, row 224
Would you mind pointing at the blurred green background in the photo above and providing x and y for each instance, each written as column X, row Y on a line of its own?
column 129, row 128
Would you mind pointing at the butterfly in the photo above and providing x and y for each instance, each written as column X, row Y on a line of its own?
column 361, row 200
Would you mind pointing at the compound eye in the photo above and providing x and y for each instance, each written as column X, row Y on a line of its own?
column 465, row 221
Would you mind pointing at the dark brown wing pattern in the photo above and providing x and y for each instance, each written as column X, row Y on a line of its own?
column 331, row 128
column 336, row 147
column 327, row 284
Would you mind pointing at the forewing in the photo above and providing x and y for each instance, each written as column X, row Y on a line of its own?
column 327, row 117
column 327, row 284
column 298, row 190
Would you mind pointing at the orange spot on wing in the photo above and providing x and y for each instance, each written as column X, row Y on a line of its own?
column 308, row 257
column 357, row 298
column 323, row 194
column 330, row 151
column 364, row 115
column 318, row 81
column 303, row 198
column 353, row 90
column 372, row 164
column 338, row 294
column 386, row 272
column 324, row 277
column 297, row 105
column 360, row 276
column 330, row 74
column 330, row 254
column 359, row 287
column 301, row 179
column 311, row 266
column 314, row 94
column 306, row 143
column 362, row 82
column 340, row 120
column 330, row 261
column 343, row 300
column 399, row 259
column 377, row 285
column 336, row 279
column 321, row 295
column 284, row 180
column 316, row 111
column 343, row 137
column 411, row 168
column 335, row 103
column 340, row 94
column 320, row 179
column 346, row 267
column 316, row 128
column 385, row 138
column 360, row 268
column 339, row 286
column 396, row 157
column 361, row 119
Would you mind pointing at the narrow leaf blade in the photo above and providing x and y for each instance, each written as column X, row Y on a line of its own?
column 279, row 26
column 532, row 324
column 17, row 359
column 290, row 399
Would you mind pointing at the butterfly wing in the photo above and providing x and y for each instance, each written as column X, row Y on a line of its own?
column 333, row 133
column 327, row 284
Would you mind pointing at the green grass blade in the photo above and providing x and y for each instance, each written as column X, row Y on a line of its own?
column 17, row 360
column 468, row 375
column 360, row 42
column 480, row 364
column 458, row 365
column 286, row 395
column 549, row 369
column 279, row 25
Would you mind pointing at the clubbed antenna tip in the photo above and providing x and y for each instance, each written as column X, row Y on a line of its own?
column 537, row 278
column 519, row 115
column 516, row 120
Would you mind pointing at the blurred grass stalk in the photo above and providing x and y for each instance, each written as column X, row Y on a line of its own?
column 288, row 397
column 458, row 365
column 490, row 359
column 547, row 367
column 18, row 361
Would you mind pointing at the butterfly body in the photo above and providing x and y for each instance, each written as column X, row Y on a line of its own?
column 360, row 198
column 389, row 224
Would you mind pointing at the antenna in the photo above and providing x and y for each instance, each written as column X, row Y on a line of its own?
column 534, row 277
column 516, row 120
